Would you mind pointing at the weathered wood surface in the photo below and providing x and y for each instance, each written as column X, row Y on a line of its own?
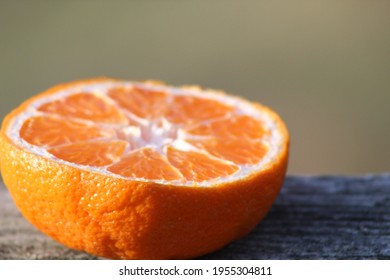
column 313, row 218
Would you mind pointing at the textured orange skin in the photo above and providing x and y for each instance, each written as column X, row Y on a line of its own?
column 124, row 219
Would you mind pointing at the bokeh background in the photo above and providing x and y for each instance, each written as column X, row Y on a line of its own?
column 324, row 66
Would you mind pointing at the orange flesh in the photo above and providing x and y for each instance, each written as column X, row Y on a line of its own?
column 241, row 126
column 49, row 131
column 85, row 106
column 141, row 102
column 145, row 163
column 239, row 151
column 91, row 130
column 97, row 153
column 191, row 109
column 199, row 167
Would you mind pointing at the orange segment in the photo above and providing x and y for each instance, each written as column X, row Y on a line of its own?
column 239, row 151
column 49, row 131
column 85, row 106
column 141, row 102
column 199, row 167
column 97, row 153
column 145, row 163
column 187, row 109
column 242, row 126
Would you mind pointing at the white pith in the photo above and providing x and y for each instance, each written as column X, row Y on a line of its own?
column 155, row 134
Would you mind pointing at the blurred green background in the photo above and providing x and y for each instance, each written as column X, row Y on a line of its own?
column 324, row 66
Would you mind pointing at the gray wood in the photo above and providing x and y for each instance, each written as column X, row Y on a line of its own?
column 313, row 218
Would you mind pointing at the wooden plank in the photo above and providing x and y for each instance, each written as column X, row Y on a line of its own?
column 313, row 218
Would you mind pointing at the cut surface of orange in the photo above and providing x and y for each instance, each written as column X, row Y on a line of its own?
column 142, row 170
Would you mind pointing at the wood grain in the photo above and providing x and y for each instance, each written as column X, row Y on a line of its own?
column 313, row 218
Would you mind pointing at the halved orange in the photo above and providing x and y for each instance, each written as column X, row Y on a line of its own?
column 142, row 170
